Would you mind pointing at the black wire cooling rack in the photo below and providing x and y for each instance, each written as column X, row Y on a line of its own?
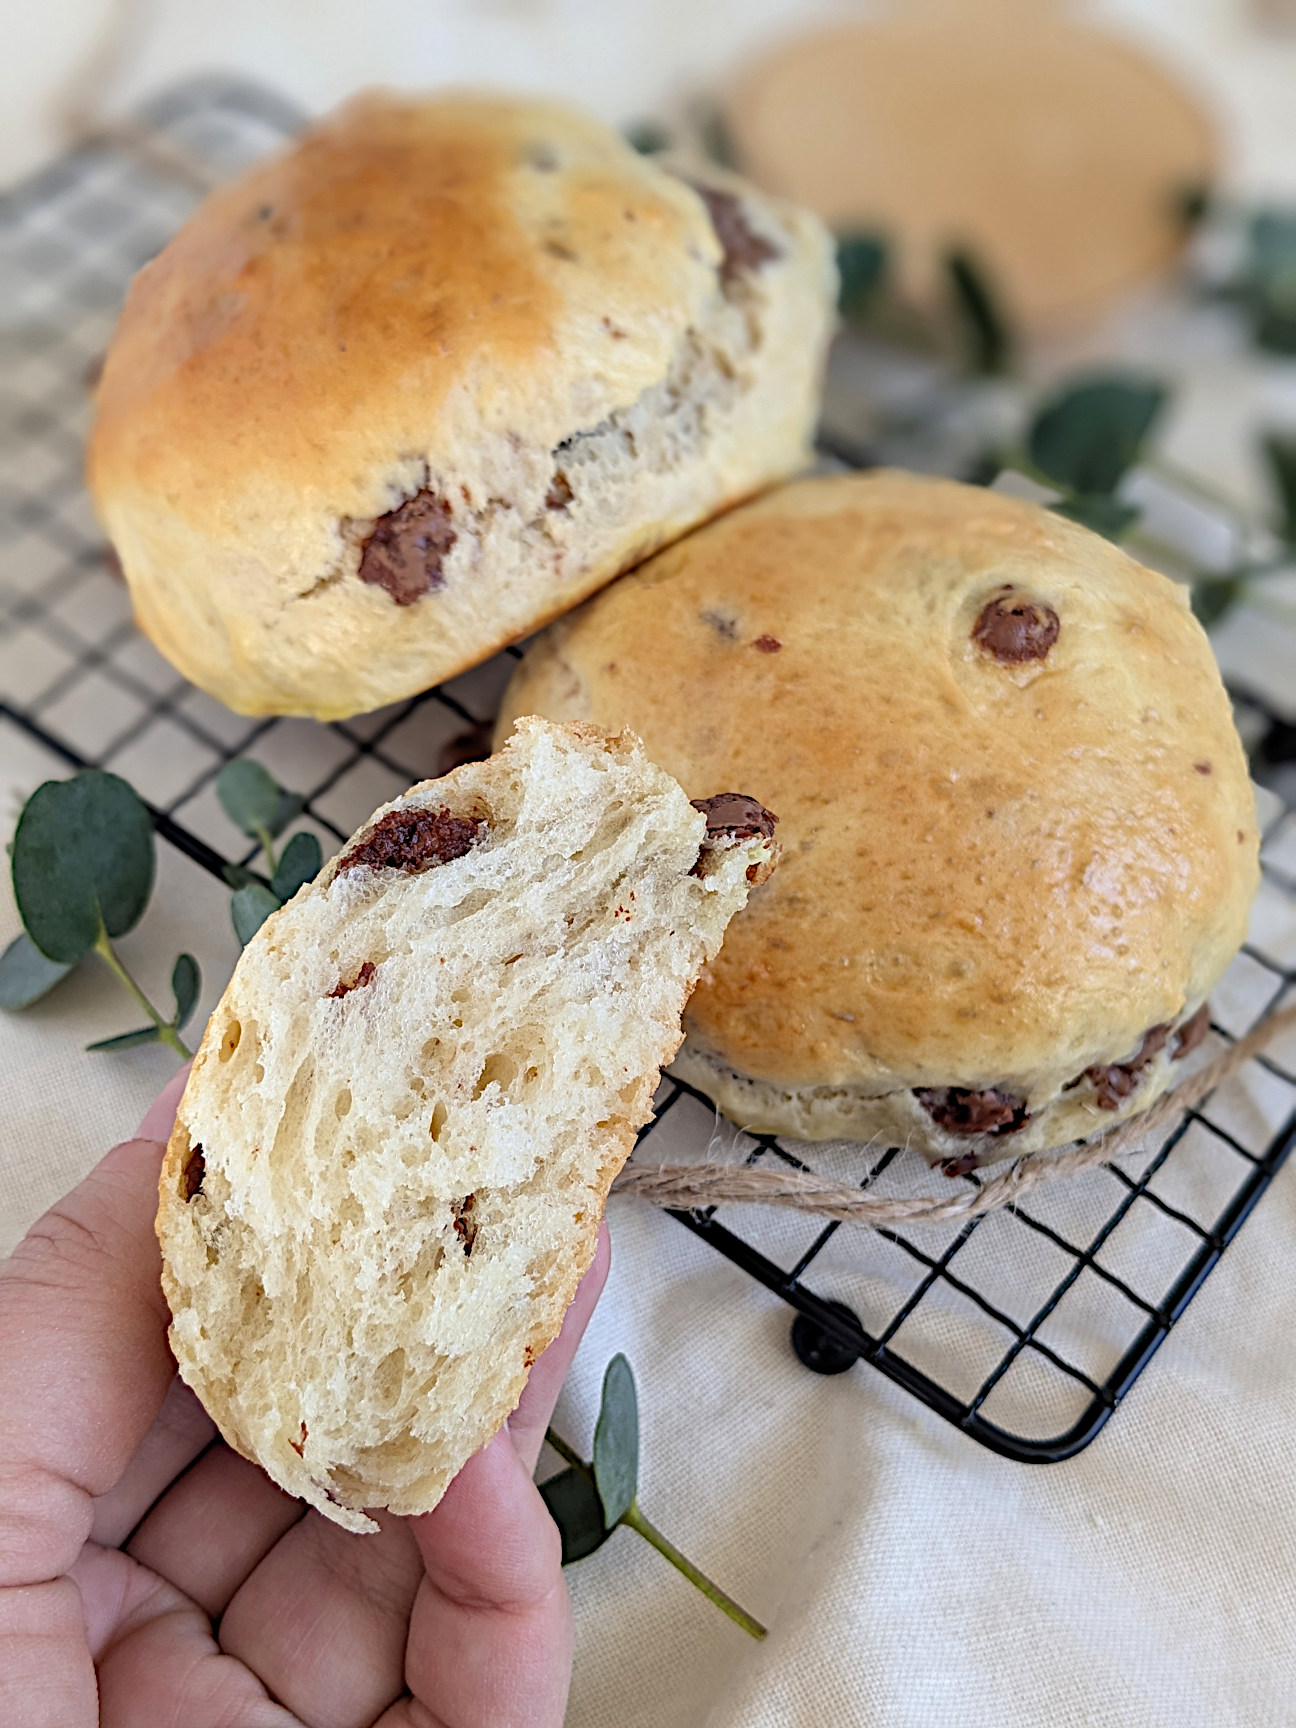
column 1026, row 1327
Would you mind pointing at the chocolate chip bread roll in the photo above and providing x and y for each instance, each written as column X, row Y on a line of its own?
column 1019, row 840
column 390, row 1162
column 419, row 384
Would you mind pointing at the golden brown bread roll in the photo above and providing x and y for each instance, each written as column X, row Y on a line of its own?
column 422, row 382
column 1019, row 839
column 1059, row 155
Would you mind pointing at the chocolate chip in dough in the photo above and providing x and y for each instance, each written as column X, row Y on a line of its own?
column 191, row 1180
column 364, row 976
column 1191, row 1033
column 1115, row 1081
column 736, row 815
column 406, row 548
column 960, row 1111
column 413, row 840
column 745, row 251
column 1014, row 629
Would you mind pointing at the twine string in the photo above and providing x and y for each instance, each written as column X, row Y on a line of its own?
column 688, row 1187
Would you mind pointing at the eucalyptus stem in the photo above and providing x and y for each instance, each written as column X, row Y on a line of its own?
column 266, row 842
column 565, row 1452
column 633, row 1519
column 166, row 1031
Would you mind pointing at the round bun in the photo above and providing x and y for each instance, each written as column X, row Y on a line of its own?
column 389, row 1165
column 1019, row 840
column 1057, row 155
column 439, row 371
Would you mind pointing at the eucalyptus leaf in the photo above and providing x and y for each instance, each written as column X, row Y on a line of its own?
column 576, row 1509
column 1272, row 239
column 83, row 859
column 26, row 975
column 1271, row 287
column 984, row 468
column 291, row 805
column 250, row 908
column 1213, row 596
column 616, row 1441
column 186, row 982
column 254, row 800
column 1191, row 204
column 861, row 268
column 716, row 139
column 988, row 342
column 300, row 863
column 1089, row 434
column 127, row 1040
column 1107, row 516
column 1280, row 455
column 648, row 137
column 238, row 875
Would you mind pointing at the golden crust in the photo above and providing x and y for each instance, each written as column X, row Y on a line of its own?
column 993, row 875
column 426, row 294
column 306, row 318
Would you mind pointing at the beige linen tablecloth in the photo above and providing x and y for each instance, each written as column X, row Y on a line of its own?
column 909, row 1578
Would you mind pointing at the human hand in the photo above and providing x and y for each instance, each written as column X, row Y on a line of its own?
column 150, row 1577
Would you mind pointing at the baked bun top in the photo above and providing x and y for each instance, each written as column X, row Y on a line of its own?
column 1016, row 821
column 333, row 445
column 317, row 313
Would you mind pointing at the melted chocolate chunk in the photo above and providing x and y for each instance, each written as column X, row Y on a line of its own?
column 959, row 1111
column 363, row 976
column 559, row 495
column 1014, row 629
column 1113, row 1083
column 744, row 249
column 192, row 1180
column 414, row 839
column 736, row 815
column 1191, row 1033
column 464, row 1223
column 405, row 549
column 963, row 1165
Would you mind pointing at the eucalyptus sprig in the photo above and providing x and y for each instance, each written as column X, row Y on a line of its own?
column 1085, row 437
column 964, row 321
column 588, row 1501
column 255, row 802
column 84, row 861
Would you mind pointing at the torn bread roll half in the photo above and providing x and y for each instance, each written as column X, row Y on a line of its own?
column 389, row 1165
column 415, row 386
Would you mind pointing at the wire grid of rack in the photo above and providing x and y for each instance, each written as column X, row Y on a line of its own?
column 1026, row 1327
